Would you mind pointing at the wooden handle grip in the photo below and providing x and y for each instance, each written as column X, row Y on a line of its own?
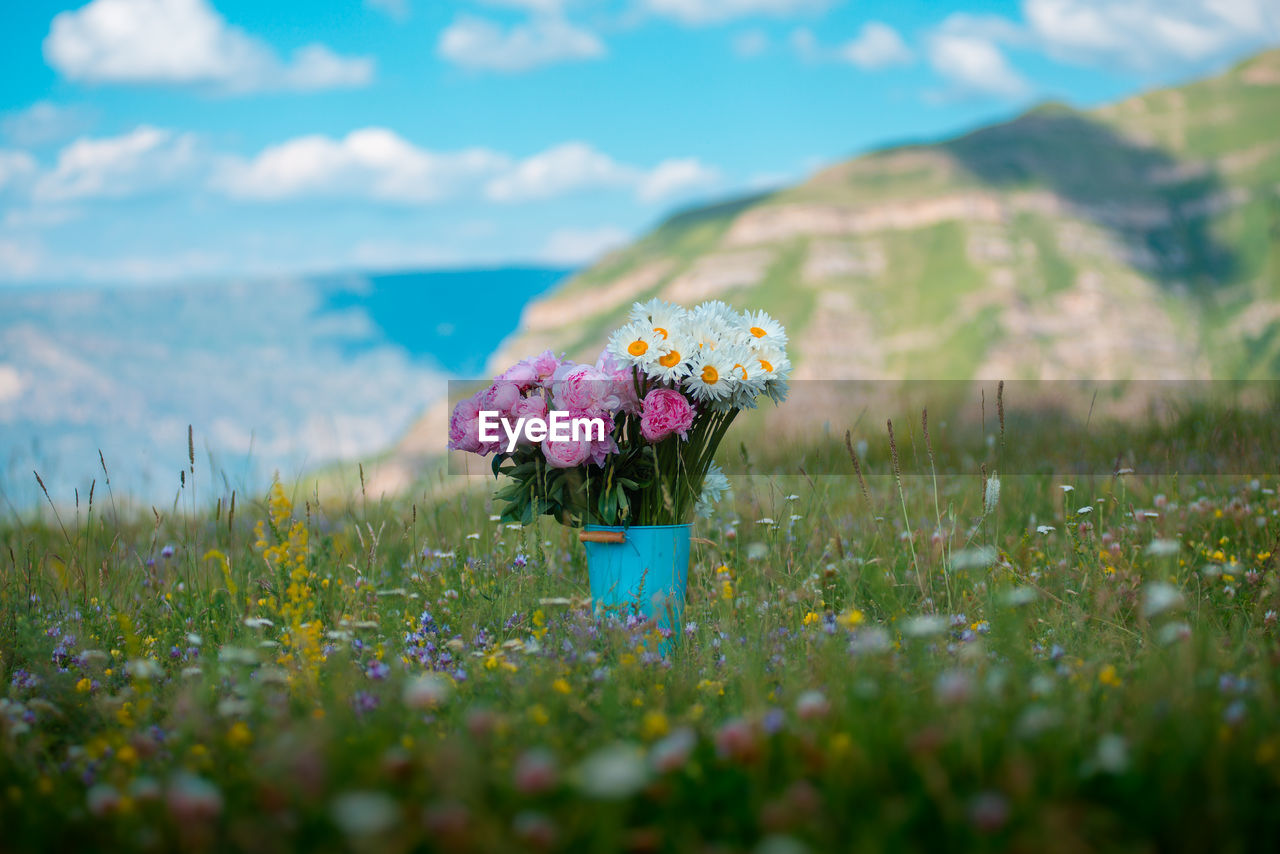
column 602, row 537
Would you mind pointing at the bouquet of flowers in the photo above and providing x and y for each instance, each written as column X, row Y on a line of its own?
column 631, row 439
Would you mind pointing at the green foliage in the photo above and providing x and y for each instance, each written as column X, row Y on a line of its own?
column 900, row 669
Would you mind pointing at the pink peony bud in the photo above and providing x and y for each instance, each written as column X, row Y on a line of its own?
column 665, row 411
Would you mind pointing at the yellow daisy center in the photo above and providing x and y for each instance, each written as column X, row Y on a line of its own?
column 710, row 375
column 758, row 332
column 742, row 371
column 767, row 365
column 661, row 331
column 638, row 347
column 670, row 360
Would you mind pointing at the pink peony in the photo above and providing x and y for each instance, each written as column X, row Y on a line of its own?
column 624, row 385
column 501, row 397
column 521, row 373
column 665, row 411
column 578, row 388
column 567, row 454
column 545, row 365
column 464, row 426
column 527, row 408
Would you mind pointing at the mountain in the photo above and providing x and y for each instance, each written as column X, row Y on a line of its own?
column 1139, row 240
column 272, row 374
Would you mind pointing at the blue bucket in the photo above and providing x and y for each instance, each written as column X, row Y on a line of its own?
column 647, row 570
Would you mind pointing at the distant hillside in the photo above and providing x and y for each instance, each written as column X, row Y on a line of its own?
column 1135, row 240
column 1140, row 240
column 272, row 374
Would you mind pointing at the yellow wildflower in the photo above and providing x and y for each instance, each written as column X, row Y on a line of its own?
column 851, row 618
column 654, row 725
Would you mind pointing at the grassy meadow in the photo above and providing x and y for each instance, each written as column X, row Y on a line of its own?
column 1038, row 662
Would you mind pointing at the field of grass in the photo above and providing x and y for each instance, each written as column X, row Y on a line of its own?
column 1048, row 662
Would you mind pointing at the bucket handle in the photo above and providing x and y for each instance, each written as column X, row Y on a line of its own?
column 602, row 537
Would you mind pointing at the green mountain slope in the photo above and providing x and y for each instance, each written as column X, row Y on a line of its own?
column 1138, row 240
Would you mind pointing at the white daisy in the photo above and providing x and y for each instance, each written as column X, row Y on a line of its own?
column 662, row 317
column 749, row 377
column 708, row 334
column 710, row 375
column 672, row 361
column 764, row 328
column 714, row 487
column 777, row 370
column 716, row 312
column 635, row 344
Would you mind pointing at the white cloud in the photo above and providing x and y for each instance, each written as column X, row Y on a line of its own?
column 378, row 164
column 805, row 44
column 372, row 162
column 480, row 44
column 18, row 261
column 43, row 122
column 676, row 177
column 185, row 42
column 751, row 43
column 397, row 10
column 702, row 12
column 11, row 383
column 877, row 45
column 567, row 168
column 16, row 168
column 573, row 247
column 545, row 7
column 1148, row 34
column 575, row 166
column 145, row 159
column 974, row 66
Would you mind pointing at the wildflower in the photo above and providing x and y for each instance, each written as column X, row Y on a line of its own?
column 102, row 799
column 535, row 772
column 736, row 740
column 1108, row 676
column 977, row 558
column 851, row 619
column 654, row 725
column 239, row 735
column 812, row 705
column 953, row 688
column 427, row 691
column 84, row 686
column 613, row 773
column 673, row 751
column 924, row 625
column 1111, row 756
column 1159, row 597
column 193, row 798
column 365, row 813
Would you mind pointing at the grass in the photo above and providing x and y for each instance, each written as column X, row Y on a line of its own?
column 907, row 669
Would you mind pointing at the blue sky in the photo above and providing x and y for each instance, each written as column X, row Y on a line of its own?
column 147, row 140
